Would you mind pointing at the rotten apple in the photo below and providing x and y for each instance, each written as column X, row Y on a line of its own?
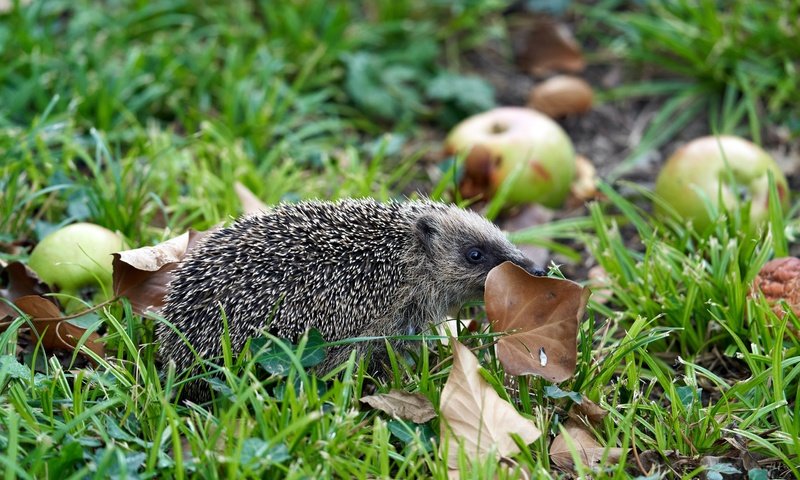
column 516, row 144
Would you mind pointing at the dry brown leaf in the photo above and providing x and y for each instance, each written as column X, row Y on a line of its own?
column 590, row 410
column 562, row 95
column 142, row 274
column 508, row 466
column 543, row 46
column 474, row 415
column 542, row 316
column 589, row 451
column 6, row 312
column 250, row 202
column 20, row 281
column 414, row 407
column 56, row 333
column 450, row 327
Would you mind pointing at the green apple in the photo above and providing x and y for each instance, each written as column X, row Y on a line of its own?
column 76, row 260
column 698, row 172
column 518, row 142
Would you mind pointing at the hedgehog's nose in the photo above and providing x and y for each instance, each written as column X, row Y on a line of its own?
column 531, row 267
column 537, row 271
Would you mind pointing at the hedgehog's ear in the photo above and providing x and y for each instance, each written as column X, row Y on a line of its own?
column 426, row 230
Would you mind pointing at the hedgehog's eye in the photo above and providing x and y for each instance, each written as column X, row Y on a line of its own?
column 475, row 255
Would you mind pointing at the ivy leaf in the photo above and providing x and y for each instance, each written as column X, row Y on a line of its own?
column 386, row 90
column 553, row 391
column 468, row 93
column 11, row 367
column 276, row 361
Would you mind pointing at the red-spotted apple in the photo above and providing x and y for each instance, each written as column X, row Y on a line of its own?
column 518, row 141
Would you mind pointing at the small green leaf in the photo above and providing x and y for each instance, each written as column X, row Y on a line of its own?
column 687, row 395
column 468, row 93
column 257, row 452
column 275, row 360
column 69, row 454
column 714, row 472
column 553, row 391
column 384, row 89
column 219, row 386
column 757, row 474
column 11, row 367
column 116, row 432
column 411, row 433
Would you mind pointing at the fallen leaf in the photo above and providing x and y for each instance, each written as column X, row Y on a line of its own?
column 543, row 46
column 414, row 407
column 509, row 468
column 541, row 315
column 142, row 274
column 450, row 327
column 588, row 450
column 55, row 331
column 474, row 415
column 38, row 307
column 749, row 461
column 20, row 281
column 590, row 410
column 250, row 202
column 562, row 95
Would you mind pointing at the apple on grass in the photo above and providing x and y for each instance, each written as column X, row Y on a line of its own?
column 514, row 142
column 698, row 173
column 76, row 260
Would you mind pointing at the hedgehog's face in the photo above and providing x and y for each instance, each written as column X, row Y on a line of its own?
column 462, row 247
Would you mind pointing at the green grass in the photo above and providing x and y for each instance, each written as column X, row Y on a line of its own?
column 141, row 116
column 699, row 289
column 734, row 61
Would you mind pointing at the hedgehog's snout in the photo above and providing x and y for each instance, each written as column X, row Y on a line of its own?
column 536, row 270
column 529, row 266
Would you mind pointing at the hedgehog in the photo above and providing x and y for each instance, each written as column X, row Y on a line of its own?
column 351, row 268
